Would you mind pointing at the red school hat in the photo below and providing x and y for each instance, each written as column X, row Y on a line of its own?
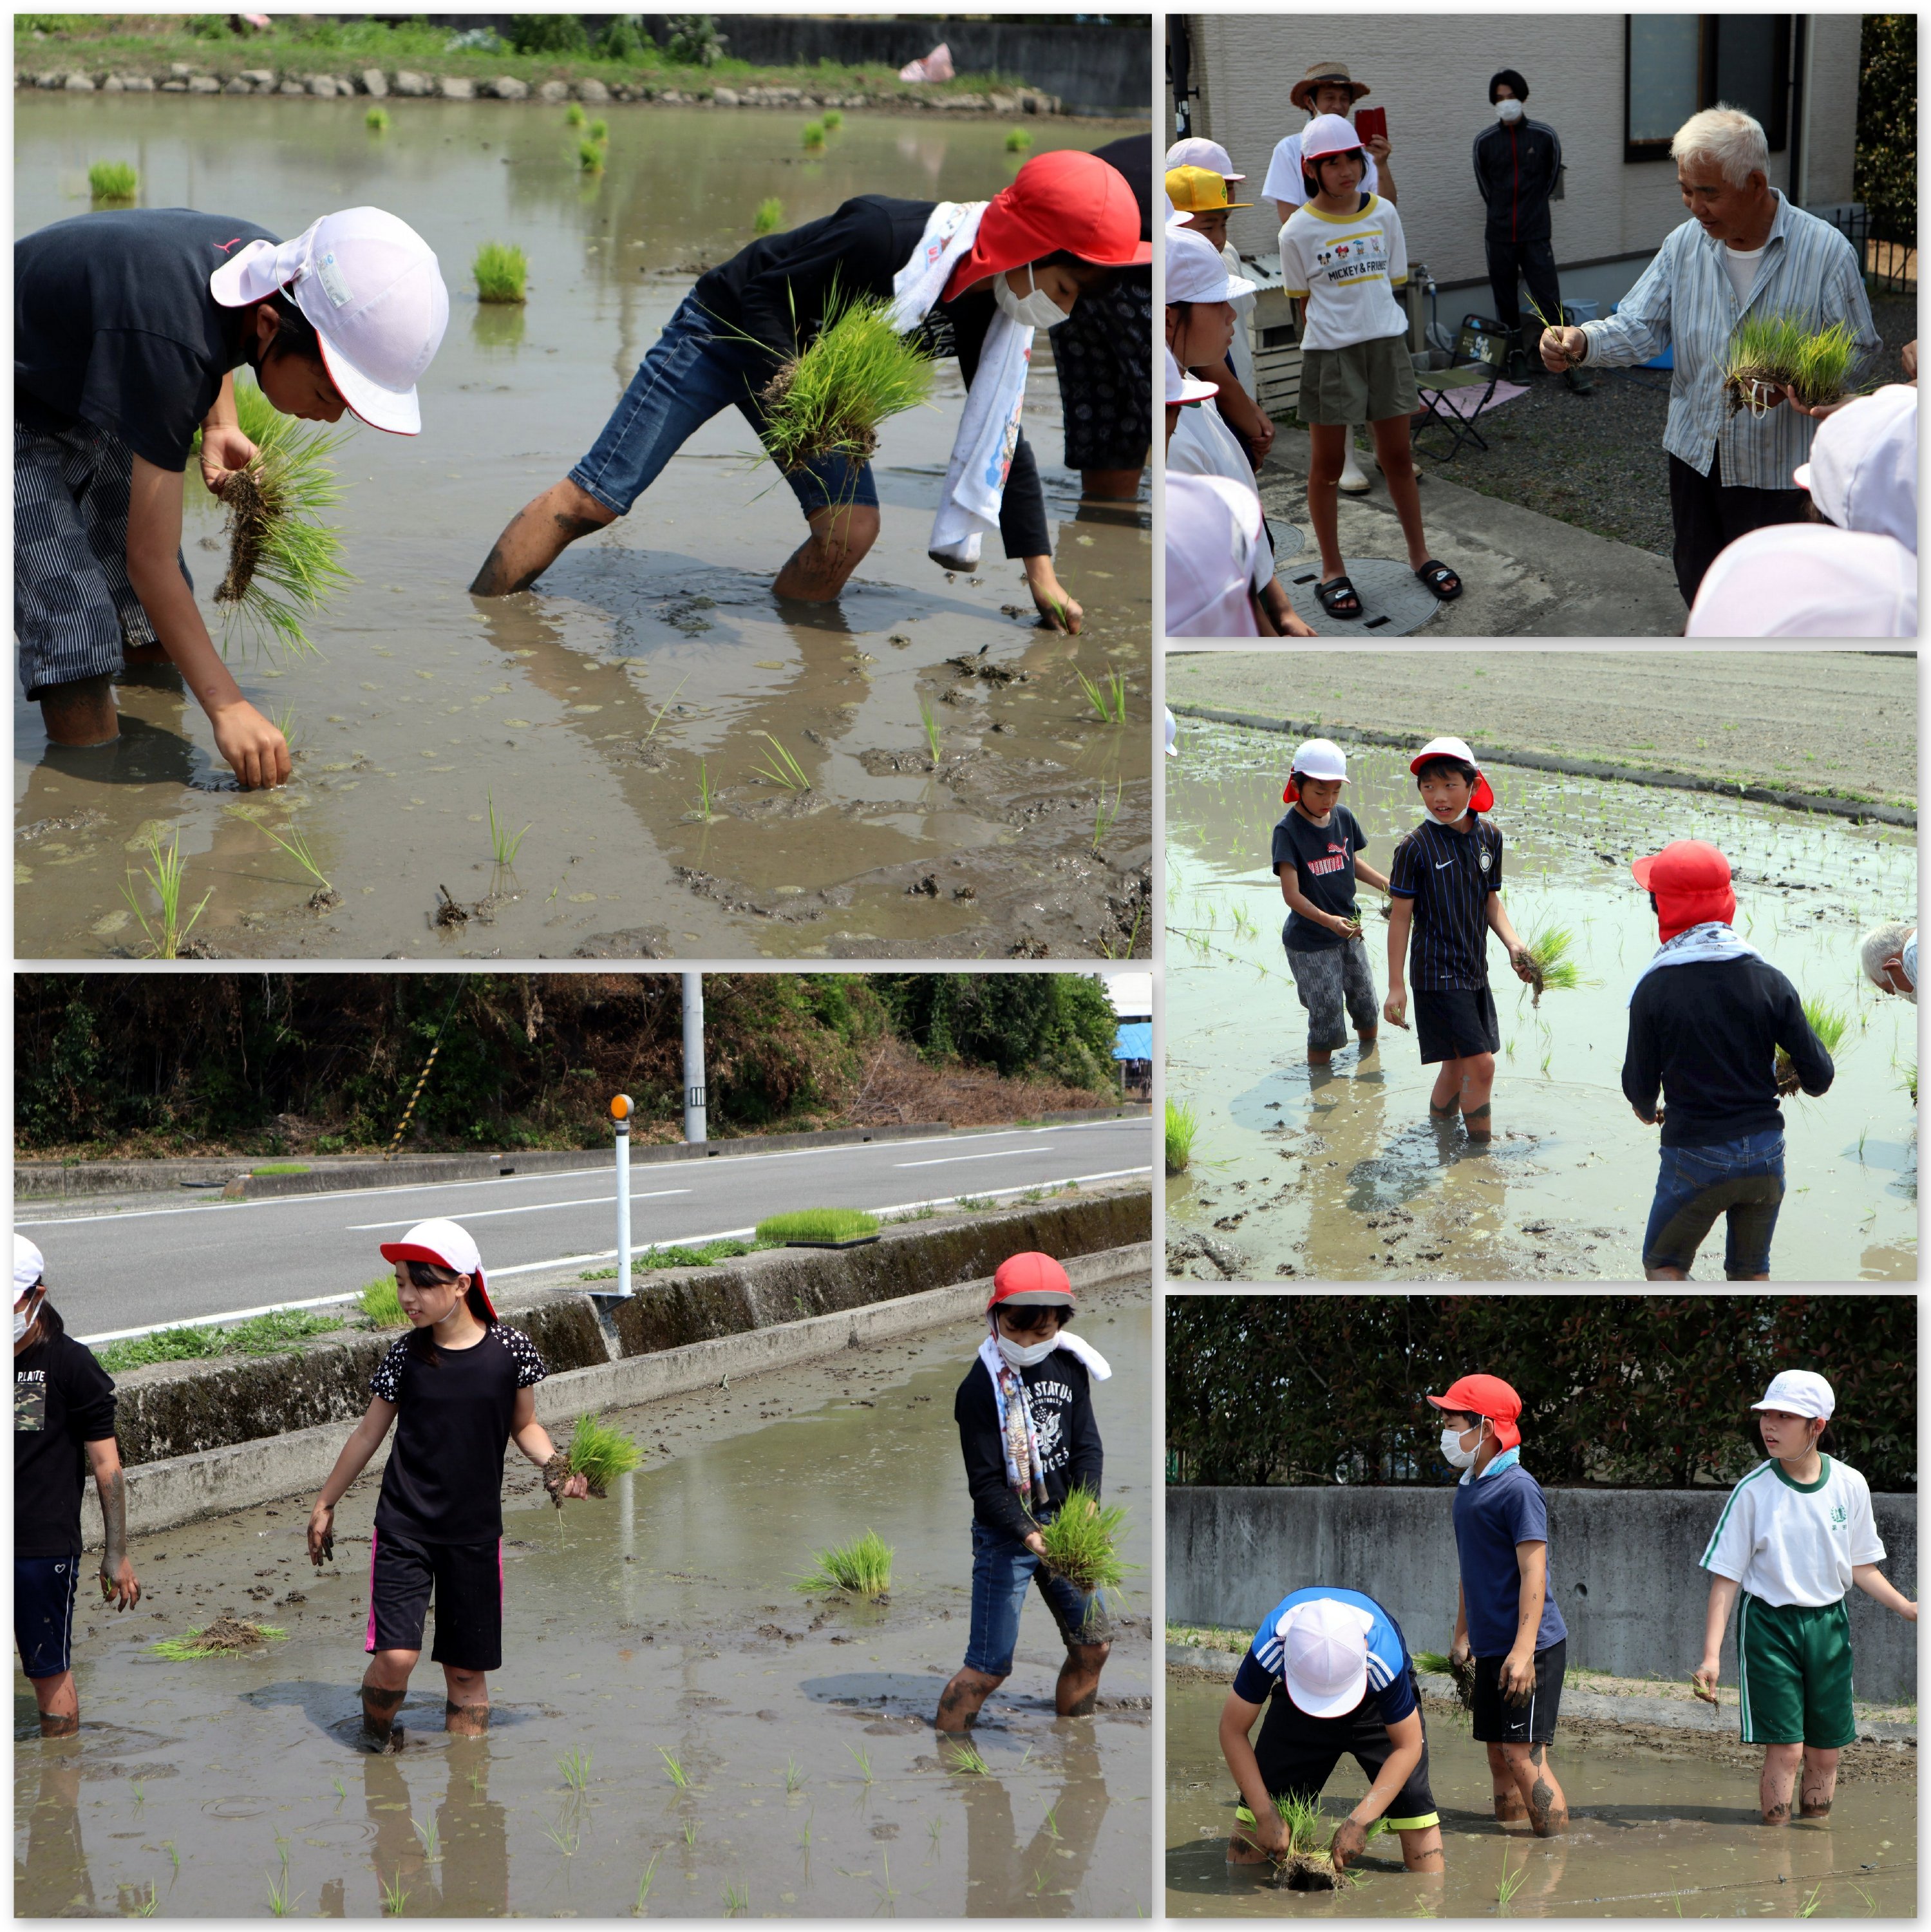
column 1028, row 1280
column 1483, row 798
column 1486, row 1395
column 1691, row 881
column 1067, row 198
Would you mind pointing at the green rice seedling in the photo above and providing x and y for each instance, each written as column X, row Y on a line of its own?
column 769, row 218
column 224, row 1637
column 862, row 1758
column 1511, row 1883
column 1082, row 1543
column 1552, row 326
column 1053, row 1822
column 173, row 1856
column 794, row 1774
column 932, row 1830
column 781, row 768
column 1018, row 141
column 432, row 1839
column 575, row 1764
column 817, row 1224
column 679, row 1776
column 1550, row 950
column 1830, row 1023
column 603, row 1454
column 1104, row 817
column 1301, row 1817
column 150, row 1904
column 834, row 119
column 930, row 721
column 164, row 875
column 1182, row 1124
column 341, row 1789
column 1823, row 365
column 566, row 1835
column 503, row 846
column 574, row 116
column 501, row 270
column 377, row 120
column 644, row 1884
column 813, row 136
column 1761, row 360
column 600, row 133
column 1109, row 698
column 830, row 399
column 862, row 1568
column 1908, row 1080
column 689, row 1832
column 395, row 1896
column 589, row 158
column 292, row 841
column 964, row 1760
column 113, row 183
column 706, row 800
column 382, row 1305
column 737, row 1900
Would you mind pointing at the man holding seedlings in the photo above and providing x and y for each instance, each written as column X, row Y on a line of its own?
column 1708, row 1016
column 993, row 270
column 1333, row 1672
column 1745, row 252
column 1029, row 1439
column 1796, row 1534
column 1506, row 1617
column 128, row 328
column 1446, row 882
column 63, row 1427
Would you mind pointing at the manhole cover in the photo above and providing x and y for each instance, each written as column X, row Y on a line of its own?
column 1290, row 540
column 1394, row 601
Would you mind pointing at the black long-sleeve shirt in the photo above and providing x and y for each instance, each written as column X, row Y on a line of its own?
column 1516, row 170
column 1060, row 1393
column 1707, row 1035
column 776, row 292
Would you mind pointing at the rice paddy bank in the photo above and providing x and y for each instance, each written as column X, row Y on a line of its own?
column 676, row 1730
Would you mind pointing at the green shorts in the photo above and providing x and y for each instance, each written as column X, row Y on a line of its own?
column 1364, row 382
column 1794, row 1673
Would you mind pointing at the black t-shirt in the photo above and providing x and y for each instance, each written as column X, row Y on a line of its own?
column 1323, row 860
column 776, row 292
column 445, row 1479
column 1448, row 875
column 1132, row 156
column 1060, row 1392
column 62, row 1398
column 113, row 323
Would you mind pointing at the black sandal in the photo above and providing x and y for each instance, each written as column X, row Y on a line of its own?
column 1437, row 577
column 1337, row 590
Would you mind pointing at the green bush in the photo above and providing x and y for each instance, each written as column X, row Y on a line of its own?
column 692, row 39
column 548, row 34
column 621, row 41
column 1885, row 179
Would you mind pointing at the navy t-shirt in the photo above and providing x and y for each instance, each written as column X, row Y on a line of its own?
column 1493, row 1512
column 1390, row 1687
column 1448, row 875
column 1323, row 860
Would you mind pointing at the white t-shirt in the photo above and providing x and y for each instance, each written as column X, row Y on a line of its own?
column 1786, row 1544
column 1284, row 173
column 1348, row 266
column 1203, row 445
column 1742, row 264
column 1242, row 353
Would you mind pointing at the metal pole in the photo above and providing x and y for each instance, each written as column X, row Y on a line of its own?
column 620, row 1113
column 695, row 1098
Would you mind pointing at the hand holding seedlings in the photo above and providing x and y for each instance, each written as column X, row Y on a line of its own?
column 1349, row 1842
column 597, row 1455
column 560, row 1482
column 1563, row 349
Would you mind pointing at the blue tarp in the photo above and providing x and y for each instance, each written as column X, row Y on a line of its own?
column 1135, row 1041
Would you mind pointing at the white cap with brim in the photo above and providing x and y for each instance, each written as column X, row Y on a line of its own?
column 372, row 289
column 1320, row 758
column 1328, row 134
column 1800, row 1392
column 29, row 1266
column 1324, row 1655
column 1213, row 525
column 1808, row 581
column 1196, row 273
column 1198, row 152
column 1182, row 388
column 1862, row 471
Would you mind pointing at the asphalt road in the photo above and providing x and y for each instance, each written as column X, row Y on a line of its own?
column 115, row 1267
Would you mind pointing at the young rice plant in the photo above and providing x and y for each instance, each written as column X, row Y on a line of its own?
column 817, row 1224
column 1182, row 1124
column 813, row 136
column 164, row 873
column 769, row 218
column 1083, row 1542
column 600, row 1452
column 502, row 269
column 377, row 120
column 113, row 183
column 1551, row 950
column 1831, row 1024
column 861, row 1568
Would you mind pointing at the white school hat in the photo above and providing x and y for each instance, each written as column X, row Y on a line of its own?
column 1196, row 273
column 1197, row 151
column 442, row 1244
column 1213, row 525
column 1800, row 1392
column 28, row 1268
column 1321, row 758
column 1182, row 388
column 1324, row 1656
column 1808, row 581
column 1862, row 471
column 1328, row 134
column 371, row 287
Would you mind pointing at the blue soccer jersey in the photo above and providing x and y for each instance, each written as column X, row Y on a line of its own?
column 1390, row 1686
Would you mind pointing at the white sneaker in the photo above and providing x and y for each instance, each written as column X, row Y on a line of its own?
column 1353, row 479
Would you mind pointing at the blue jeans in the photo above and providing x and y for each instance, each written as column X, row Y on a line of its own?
column 1742, row 1179
column 692, row 373
column 1001, row 1570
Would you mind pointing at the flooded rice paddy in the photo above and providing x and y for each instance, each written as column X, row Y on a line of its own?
column 661, row 1622
column 1657, row 1829
column 1341, row 1175
column 620, row 710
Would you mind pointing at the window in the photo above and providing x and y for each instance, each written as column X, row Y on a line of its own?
column 1676, row 64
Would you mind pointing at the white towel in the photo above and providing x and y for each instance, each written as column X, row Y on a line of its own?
column 1698, row 947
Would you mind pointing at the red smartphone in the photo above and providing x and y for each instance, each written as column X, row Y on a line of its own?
column 1371, row 124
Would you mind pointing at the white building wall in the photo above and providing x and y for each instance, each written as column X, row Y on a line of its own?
column 1833, row 108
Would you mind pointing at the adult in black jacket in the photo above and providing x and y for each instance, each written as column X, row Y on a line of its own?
column 1706, row 1020
column 1518, row 164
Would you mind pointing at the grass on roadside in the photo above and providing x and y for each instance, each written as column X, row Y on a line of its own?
column 279, row 1333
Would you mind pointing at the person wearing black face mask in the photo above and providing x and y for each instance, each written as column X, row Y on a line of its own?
column 1518, row 165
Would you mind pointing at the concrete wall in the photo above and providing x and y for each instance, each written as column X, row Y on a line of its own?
column 1431, row 72
column 1624, row 1563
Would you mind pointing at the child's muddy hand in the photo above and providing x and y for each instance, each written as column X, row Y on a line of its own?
column 119, row 1585
column 1349, row 1842
column 321, row 1535
column 1394, row 1008
column 1516, row 1678
column 256, row 752
column 578, row 1486
column 224, row 451
column 1703, row 1682
column 557, row 1479
column 1057, row 610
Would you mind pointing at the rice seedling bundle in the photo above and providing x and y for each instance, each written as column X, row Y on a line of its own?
column 600, row 132
column 1018, row 141
column 1830, row 1023
column 833, row 120
column 1182, row 1124
column 814, row 136
column 589, row 158
column 1769, row 354
column 377, row 120
column 1083, row 1542
column 574, row 116
column 830, row 401
column 770, row 216
column 861, row 1568
column 502, row 269
column 818, row 1225
column 225, row 1636
column 600, row 1452
column 113, row 183
column 382, row 1305
column 1304, row 1865
column 1823, row 365
column 1550, row 963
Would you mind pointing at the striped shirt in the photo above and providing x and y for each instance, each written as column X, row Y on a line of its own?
column 1684, row 301
column 1448, row 875
column 1390, row 1689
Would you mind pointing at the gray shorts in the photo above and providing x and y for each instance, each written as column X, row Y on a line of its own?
column 1334, row 981
column 1365, row 383
column 72, row 605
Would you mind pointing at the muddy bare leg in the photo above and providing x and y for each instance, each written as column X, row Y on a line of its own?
column 1478, row 1082
column 816, row 571
column 1110, row 486
column 59, row 1704
column 536, row 535
column 466, row 1709
column 1510, row 1805
column 960, row 1701
column 1421, row 1851
column 385, row 1684
column 1077, row 1690
column 80, row 714
column 1778, row 1783
column 1535, row 1779
column 1444, row 1101
column 1819, row 1783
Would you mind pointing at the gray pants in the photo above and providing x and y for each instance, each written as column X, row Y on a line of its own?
column 1336, row 984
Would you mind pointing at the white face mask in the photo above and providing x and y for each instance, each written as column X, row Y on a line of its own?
column 1457, row 1457
column 1037, row 310
column 19, row 1323
column 1024, row 1357
column 1507, row 111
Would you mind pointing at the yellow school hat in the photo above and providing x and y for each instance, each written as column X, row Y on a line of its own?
column 1199, row 191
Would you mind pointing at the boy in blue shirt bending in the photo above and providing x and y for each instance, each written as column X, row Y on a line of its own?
column 1505, row 1615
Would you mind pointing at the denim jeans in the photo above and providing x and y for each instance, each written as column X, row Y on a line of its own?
column 1001, row 1570
column 692, row 373
column 1742, row 1179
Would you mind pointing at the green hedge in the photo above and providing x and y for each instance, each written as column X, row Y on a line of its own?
column 1638, row 1390
column 1886, row 177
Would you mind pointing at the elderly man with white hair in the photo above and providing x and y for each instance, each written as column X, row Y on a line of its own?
column 1745, row 247
column 1889, row 955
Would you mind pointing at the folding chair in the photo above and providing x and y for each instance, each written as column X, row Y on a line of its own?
column 1479, row 356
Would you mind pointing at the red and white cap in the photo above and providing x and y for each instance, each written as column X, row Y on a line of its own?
column 1030, row 1280
column 1800, row 1392
column 29, row 1266
column 443, row 1244
column 1488, row 1395
column 371, row 287
column 1198, row 152
column 1324, row 1655
column 1328, row 134
column 1315, row 758
column 1483, row 798
column 1066, row 199
column 1182, row 388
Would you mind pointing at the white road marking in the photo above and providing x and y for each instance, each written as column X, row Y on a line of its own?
column 534, row 1207
column 954, row 1160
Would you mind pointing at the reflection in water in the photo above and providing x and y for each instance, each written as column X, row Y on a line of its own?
column 53, row 1880
column 1039, row 1877
column 458, row 1864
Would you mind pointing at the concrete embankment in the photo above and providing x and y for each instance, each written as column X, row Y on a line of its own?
column 202, row 1437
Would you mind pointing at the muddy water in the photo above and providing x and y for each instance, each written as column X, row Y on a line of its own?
column 599, row 710
column 1343, row 1176
column 660, row 1620
column 1653, row 1834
